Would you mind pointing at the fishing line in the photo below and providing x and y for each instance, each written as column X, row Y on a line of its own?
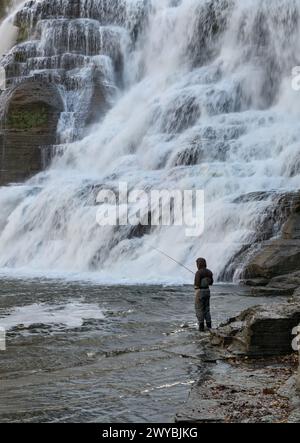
column 173, row 259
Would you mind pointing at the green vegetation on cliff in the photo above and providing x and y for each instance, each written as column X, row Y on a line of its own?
column 27, row 119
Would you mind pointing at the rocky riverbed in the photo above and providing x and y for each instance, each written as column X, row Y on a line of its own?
column 251, row 372
column 241, row 390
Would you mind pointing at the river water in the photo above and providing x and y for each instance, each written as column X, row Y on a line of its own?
column 79, row 352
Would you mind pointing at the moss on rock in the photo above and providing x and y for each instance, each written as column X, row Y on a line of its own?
column 23, row 33
column 28, row 119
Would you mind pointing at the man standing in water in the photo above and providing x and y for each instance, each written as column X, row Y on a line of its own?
column 203, row 280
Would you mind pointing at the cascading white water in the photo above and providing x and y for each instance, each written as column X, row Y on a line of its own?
column 208, row 104
column 8, row 32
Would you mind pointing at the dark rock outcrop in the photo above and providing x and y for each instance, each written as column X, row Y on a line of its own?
column 277, row 261
column 276, row 257
column 28, row 122
column 281, row 255
column 286, row 284
column 271, row 260
column 261, row 331
column 279, row 207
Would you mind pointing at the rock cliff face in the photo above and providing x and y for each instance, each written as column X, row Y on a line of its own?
column 30, row 112
column 261, row 331
column 60, row 77
column 271, row 263
column 281, row 255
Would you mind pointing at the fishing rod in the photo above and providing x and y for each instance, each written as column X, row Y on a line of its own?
column 173, row 259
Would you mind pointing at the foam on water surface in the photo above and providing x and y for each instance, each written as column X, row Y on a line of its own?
column 70, row 315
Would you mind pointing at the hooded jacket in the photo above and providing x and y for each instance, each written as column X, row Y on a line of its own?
column 204, row 277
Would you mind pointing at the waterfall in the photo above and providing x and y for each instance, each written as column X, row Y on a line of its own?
column 204, row 100
column 8, row 32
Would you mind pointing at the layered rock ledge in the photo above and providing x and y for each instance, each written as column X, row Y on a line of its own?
column 28, row 120
column 260, row 331
column 251, row 372
column 270, row 264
